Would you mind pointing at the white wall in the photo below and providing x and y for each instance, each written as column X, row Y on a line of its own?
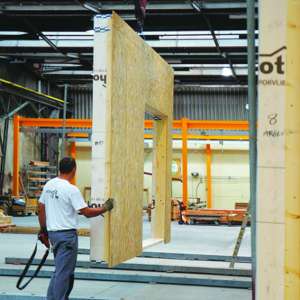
column 230, row 173
column 230, row 170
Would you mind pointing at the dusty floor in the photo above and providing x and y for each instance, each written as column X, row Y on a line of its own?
column 185, row 239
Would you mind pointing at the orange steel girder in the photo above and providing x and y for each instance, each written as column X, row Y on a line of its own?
column 184, row 131
column 15, row 181
column 183, row 124
column 208, row 176
column 72, row 153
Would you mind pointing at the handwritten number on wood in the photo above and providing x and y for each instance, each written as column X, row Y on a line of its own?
column 273, row 119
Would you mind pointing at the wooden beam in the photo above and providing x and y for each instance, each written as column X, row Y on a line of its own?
column 162, row 184
column 100, row 138
column 292, row 158
column 271, row 183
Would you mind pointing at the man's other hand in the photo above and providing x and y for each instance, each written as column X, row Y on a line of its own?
column 109, row 204
column 43, row 237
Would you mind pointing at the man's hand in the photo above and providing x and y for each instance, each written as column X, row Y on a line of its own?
column 109, row 204
column 43, row 237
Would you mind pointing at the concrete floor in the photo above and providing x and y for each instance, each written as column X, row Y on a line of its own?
column 186, row 239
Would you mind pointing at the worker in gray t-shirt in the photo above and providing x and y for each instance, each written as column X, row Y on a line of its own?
column 59, row 205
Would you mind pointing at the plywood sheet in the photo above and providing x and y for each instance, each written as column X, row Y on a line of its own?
column 292, row 159
column 271, row 151
column 138, row 79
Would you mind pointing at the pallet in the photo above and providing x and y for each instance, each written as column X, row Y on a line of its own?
column 6, row 227
column 216, row 216
column 5, row 219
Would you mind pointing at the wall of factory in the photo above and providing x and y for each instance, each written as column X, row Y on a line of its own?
column 28, row 150
column 26, row 77
column 29, row 139
column 230, row 175
column 192, row 102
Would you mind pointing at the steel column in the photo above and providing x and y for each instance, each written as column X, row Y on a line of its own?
column 63, row 146
column 17, row 109
column 252, row 130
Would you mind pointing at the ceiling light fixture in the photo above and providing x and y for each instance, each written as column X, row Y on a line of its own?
column 226, row 72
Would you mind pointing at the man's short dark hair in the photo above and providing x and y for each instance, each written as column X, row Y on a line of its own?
column 66, row 165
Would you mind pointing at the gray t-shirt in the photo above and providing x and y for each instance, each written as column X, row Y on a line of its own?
column 62, row 202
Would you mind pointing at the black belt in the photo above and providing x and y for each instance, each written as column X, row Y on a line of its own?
column 64, row 230
column 27, row 266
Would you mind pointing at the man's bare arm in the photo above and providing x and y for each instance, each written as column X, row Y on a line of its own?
column 94, row 212
column 42, row 216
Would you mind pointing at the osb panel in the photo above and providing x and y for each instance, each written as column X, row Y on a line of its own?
column 292, row 149
column 271, row 154
column 161, row 224
column 136, row 77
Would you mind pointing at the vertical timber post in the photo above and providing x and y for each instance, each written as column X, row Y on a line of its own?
column 271, row 165
column 99, row 142
column 292, row 152
column 162, row 174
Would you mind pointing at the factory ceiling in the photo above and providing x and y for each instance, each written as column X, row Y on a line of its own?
column 204, row 41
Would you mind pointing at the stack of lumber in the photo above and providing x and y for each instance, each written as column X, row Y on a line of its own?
column 5, row 221
column 217, row 216
column 39, row 163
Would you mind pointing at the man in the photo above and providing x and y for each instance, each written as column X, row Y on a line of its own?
column 59, row 205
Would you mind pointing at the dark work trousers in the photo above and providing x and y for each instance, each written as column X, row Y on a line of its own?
column 65, row 247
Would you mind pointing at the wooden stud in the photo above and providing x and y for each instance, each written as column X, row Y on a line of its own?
column 162, row 170
column 292, row 150
column 278, row 222
column 100, row 138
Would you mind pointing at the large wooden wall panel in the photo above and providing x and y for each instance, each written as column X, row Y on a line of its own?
column 278, row 209
column 136, row 77
column 271, row 152
column 292, row 146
